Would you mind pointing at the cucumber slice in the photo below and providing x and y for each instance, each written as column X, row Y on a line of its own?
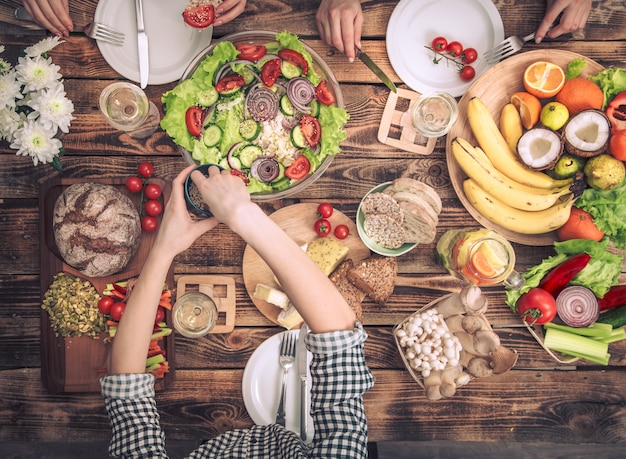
column 289, row 70
column 208, row 97
column 297, row 137
column 315, row 108
column 212, row 135
column 249, row 153
column 247, row 74
column 286, row 106
column 249, row 129
column 224, row 163
column 233, row 163
column 281, row 184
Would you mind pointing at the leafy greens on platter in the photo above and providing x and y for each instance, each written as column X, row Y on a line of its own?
column 276, row 137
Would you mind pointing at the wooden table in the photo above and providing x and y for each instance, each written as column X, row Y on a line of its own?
column 535, row 402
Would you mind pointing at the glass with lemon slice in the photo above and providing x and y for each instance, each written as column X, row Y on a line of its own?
column 480, row 256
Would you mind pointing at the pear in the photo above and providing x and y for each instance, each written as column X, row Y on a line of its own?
column 567, row 166
column 554, row 115
column 604, row 172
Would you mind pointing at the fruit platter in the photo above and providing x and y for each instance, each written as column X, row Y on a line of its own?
column 482, row 105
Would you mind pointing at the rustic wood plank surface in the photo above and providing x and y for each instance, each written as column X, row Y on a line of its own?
column 538, row 400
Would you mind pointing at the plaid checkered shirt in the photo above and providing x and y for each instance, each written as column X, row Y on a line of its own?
column 339, row 378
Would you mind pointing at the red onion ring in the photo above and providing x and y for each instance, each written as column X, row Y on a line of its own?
column 577, row 306
column 230, row 154
column 262, row 103
column 300, row 92
column 265, row 169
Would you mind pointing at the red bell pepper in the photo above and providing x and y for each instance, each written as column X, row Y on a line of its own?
column 616, row 296
column 558, row 278
column 616, row 112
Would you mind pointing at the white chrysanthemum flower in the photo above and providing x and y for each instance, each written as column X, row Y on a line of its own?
column 37, row 73
column 9, row 123
column 4, row 66
column 43, row 46
column 1, row 49
column 52, row 108
column 9, row 90
column 37, row 142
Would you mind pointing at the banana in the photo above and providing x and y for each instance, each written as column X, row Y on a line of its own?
column 477, row 166
column 511, row 125
column 503, row 158
column 520, row 221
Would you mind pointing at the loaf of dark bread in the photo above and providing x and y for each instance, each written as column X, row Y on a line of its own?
column 353, row 295
column 96, row 228
column 376, row 276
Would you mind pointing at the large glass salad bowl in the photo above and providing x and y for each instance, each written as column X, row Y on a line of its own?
column 272, row 117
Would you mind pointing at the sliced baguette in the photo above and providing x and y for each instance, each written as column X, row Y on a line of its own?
column 419, row 227
column 418, row 203
column 419, row 188
column 376, row 276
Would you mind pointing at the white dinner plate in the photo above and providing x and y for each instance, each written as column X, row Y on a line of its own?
column 415, row 23
column 262, row 379
column 172, row 45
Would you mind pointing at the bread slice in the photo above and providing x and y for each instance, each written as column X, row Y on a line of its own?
column 353, row 295
column 381, row 204
column 384, row 231
column 419, row 188
column 376, row 276
column 419, row 227
column 418, row 202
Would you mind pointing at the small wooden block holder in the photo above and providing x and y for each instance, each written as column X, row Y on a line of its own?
column 221, row 289
column 395, row 126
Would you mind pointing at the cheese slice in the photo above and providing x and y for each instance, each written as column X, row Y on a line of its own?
column 271, row 295
column 290, row 317
column 327, row 253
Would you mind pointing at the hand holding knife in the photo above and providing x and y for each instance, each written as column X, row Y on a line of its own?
column 142, row 46
column 375, row 68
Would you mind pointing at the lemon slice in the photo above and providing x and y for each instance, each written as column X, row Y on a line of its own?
column 495, row 255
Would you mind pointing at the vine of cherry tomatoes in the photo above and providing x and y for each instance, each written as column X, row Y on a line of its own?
column 323, row 227
column 454, row 52
column 152, row 206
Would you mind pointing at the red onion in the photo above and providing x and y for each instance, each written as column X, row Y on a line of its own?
column 230, row 153
column 227, row 68
column 300, row 92
column 262, row 103
column 577, row 306
column 265, row 169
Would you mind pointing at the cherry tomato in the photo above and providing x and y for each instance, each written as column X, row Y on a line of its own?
column 194, row 118
column 160, row 315
column 200, row 16
column 299, row 168
column 295, row 58
column 342, row 231
column 325, row 210
column 105, row 303
column 117, row 310
column 152, row 191
column 153, row 207
column 454, row 49
column 323, row 94
column 311, row 130
column 250, row 52
column 145, row 169
column 134, row 184
column 536, row 306
column 322, row 227
column 469, row 55
column 270, row 71
column 468, row 73
column 149, row 223
column 439, row 44
column 229, row 82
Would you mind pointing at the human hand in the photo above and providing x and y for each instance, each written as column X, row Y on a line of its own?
column 178, row 230
column 339, row 23
column 228, row 10
column 54, row 15
column 574, row 14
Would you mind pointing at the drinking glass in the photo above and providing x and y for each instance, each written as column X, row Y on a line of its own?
column 194, row 314
column 127, row 108
column 434, row 114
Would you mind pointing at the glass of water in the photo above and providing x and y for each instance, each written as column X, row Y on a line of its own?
column 434, row 114
column 127, row 108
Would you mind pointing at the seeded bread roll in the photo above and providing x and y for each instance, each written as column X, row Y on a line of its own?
column 376, row 276
column 96, row 228
column 353, row 295
column 384, row 231
column 381, row 204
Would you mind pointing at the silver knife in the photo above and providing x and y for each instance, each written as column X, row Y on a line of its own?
column 303, row 365
column 142, row 46
column 376, row 69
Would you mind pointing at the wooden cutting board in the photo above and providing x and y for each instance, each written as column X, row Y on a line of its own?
column 77, row 364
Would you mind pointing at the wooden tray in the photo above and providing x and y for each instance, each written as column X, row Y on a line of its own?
column 77, row 364
column 495, row 88
column 221, row 289
column 297, row 221
column 396, row 129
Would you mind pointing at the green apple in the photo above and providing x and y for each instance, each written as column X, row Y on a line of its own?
column 554, row 115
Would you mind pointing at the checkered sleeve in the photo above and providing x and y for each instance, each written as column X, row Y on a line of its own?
column 339, row 378
column 129, row 402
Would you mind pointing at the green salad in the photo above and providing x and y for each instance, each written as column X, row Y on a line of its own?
column 261, row 111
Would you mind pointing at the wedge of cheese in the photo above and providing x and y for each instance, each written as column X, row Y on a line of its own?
column 271, row 295
column 327, row 253
column 290, row 317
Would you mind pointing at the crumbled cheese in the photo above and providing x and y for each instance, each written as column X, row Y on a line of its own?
column 276, row 141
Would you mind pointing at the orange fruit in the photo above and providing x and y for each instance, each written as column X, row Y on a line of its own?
column 543, row 79
column 580, row 225
column 579, row 94
column 617, row 145
column 529, row 108
column 481, row 266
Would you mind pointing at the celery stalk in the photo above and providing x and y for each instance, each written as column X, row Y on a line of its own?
column 154, row 360
column 596, row 329
column 617, row 334
column 579, row 346
column 604, row 360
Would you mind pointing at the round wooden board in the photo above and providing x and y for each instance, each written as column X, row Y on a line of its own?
column 495, row 88
column 297, row 221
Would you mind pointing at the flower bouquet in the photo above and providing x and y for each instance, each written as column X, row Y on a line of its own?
column 33, row 104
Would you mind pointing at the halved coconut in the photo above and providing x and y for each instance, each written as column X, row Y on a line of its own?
column 587, row 133
column 540, row 148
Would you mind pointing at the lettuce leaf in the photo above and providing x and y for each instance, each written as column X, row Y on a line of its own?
column 612, row 81
column 599, row 275
column 608, row 208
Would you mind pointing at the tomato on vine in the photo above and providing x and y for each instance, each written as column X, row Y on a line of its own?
column 468, row 73
column 134, row 184
column 145, row 169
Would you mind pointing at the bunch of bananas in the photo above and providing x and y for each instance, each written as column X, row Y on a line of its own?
column 501, row 188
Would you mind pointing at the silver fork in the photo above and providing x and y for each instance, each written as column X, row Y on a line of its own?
column 506, row 48
column 104, row 33
column 286, row 359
